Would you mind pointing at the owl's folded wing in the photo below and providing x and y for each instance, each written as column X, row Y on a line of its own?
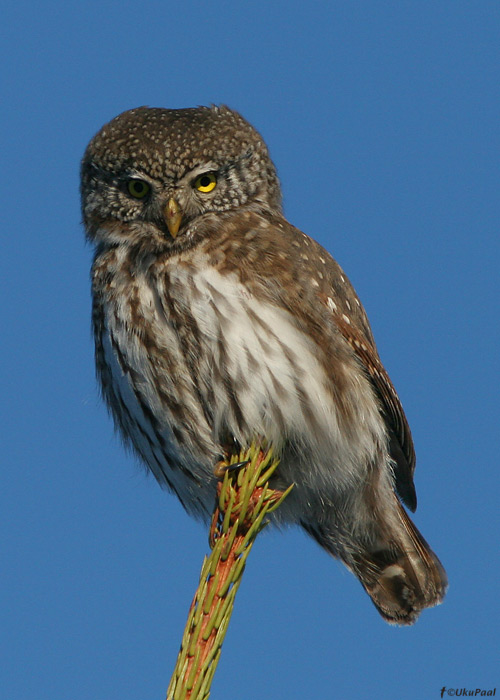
column 401, row 442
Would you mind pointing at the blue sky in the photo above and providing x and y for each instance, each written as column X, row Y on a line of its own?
column 383, row 120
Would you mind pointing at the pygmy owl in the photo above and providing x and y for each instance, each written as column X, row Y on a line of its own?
column 217, row 323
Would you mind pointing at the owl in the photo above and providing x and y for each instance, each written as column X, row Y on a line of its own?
column 217, row 324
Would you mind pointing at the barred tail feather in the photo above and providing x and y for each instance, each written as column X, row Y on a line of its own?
column 402, row 578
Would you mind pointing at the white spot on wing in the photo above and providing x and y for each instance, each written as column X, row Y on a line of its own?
column 332, row 305
column 393, row 570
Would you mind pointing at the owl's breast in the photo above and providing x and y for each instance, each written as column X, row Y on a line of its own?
column 189, row 358
column 259, row 373
column 147, row 383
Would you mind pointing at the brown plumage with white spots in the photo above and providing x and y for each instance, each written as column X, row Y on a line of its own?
column 218, row 323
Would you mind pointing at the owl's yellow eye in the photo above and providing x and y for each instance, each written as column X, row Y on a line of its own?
column 206, row 182
column 138, row 188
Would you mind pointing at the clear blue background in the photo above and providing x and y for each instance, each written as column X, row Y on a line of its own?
column 383, row 119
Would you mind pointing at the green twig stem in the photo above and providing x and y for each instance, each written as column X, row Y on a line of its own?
column 244, row 500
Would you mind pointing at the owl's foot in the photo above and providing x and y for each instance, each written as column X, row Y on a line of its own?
column 222, row 467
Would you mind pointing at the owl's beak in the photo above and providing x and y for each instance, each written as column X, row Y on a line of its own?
column 173, row 217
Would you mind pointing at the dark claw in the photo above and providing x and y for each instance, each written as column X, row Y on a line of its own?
column 235, row 467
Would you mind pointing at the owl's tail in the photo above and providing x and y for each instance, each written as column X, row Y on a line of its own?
column 401, row 574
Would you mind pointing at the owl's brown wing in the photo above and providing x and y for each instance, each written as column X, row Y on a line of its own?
column 338, row 295
column 401, row 442
column 329, row 284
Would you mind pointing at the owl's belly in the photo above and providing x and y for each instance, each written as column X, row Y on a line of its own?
column 213, row 363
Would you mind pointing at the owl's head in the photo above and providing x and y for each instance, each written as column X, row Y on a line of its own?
column 152, row 173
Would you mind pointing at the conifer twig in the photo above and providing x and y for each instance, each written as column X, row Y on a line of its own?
column 244, row 500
